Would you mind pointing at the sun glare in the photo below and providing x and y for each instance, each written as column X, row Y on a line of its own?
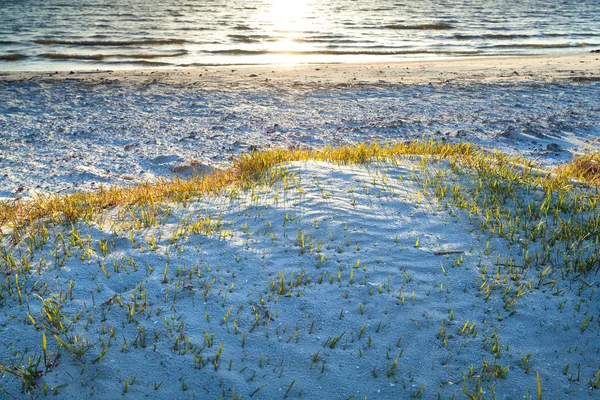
column 289, row 20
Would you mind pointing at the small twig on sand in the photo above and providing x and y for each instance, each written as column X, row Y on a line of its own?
column 446, row 252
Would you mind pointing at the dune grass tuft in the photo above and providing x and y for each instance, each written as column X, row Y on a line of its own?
column 585, row 167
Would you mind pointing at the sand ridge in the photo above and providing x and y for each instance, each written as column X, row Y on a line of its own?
column 64, row 132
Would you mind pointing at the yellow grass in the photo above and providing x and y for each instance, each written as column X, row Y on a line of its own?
column 79, row 205
column 584, row 167
column 250, row 167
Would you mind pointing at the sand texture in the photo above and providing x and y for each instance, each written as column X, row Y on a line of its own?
column 578, row 67
column 333, row 282
column 128, row 127
column 410, row 277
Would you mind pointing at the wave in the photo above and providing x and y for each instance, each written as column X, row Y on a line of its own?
column 141, row 63
column 439, row 26
column 56, row 56
column 571, row 34
column 148, row 56
column 345, row 52
column 12, row 57
column 518, row 35
column 333, row 41
column 194, row 28
column 6, row 42
column 49, row 42
column 377, row 9
column 98, row 57
column 326, row 36
column 493, row 36
column 540, row 45
column 251, row 38
column 198, row 64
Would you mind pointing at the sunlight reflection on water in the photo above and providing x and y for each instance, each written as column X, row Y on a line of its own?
column 80, row 34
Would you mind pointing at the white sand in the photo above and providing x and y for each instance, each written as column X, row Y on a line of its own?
column 65, row 132
column 218, row 287
column 582, row 66
column 125, row 126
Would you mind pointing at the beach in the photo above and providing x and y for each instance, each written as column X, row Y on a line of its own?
column 147, row 124
column 446, row 258
column 543, row 68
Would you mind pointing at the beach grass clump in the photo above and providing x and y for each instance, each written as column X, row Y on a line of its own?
column 553, row 219
column 584, row 167
column 508, row 194
column 259, row 166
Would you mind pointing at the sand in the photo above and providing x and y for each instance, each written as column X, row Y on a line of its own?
column 578, row 67
column 64, row 132
column 336, row 282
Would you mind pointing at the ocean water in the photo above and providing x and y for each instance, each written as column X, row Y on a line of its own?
column 90, row 34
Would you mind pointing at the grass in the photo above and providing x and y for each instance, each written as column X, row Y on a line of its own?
column 242, row 175
column 585, row 167
column 549, row 220
column 246, row 171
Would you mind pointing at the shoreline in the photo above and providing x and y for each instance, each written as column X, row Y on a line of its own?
column 334, row 274
column 581, row 66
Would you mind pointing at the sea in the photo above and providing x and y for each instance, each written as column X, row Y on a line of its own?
column 123, row 34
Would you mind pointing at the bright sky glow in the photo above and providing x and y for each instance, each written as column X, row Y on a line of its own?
column 289, row 20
